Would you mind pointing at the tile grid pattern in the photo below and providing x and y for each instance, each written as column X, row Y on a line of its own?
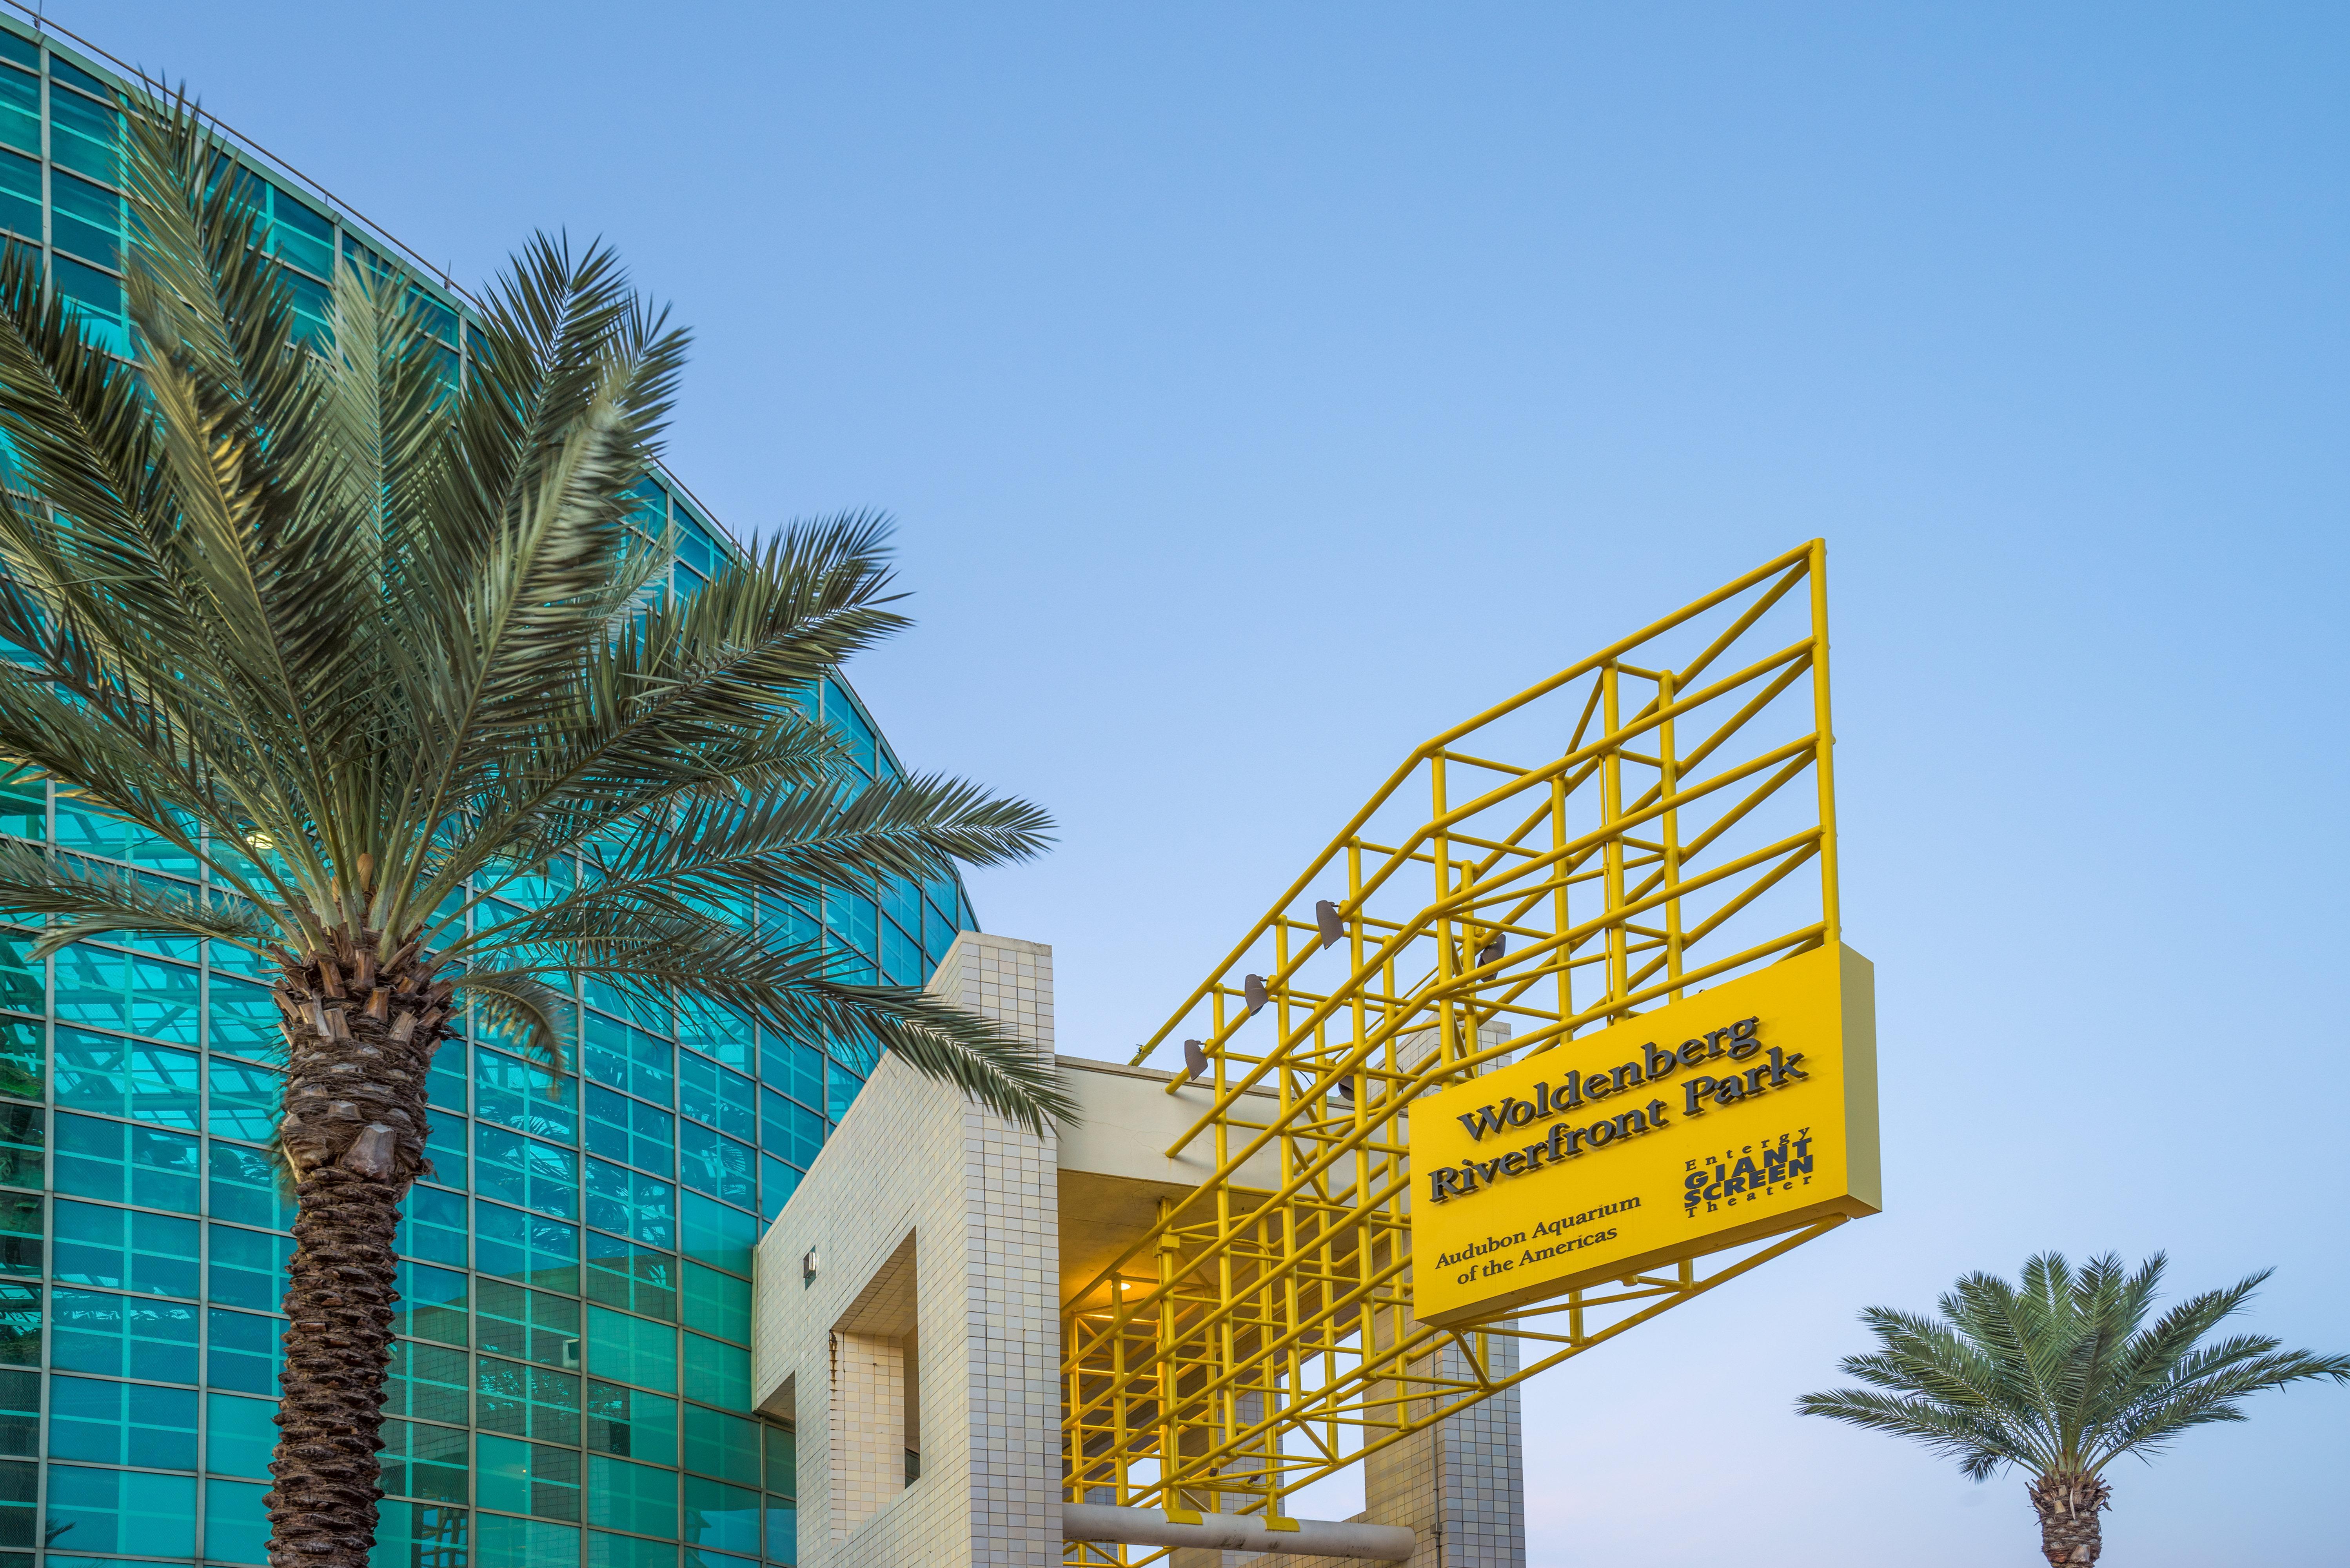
column 983, row 1209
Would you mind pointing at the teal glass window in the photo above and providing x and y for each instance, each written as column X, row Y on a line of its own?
column 528, row 1325
column 300, row 235
column 247, row 1268
column 428, row 1382
column 86, row 220
column 840, row 712
column 501, row 1540
column 840, row 1087
column 20, row 1324
column 783, row 1531
column 104, row 989
column 432, row 1304
column 720, row 1033
column 241, row 1351
column 717, row 1303
column 630, row 1423
column 632, row 1204
column 122, row 1336
column 608, row 1550
column 21, row 1234
column 119, row 1077
column 631, row 1131
column 244, row 1018
column 789, row 1130
column 782, row 1463
column 433, row 1227
column 901, row 957
column 718, row 1444
column 626, row 1495
column 66, row 71
column 852, row 919
column 24, row 983
column 717, row 1097
column 422, row 1461
column 420, row 1535
column 124, row 1249
column 239, row 1436
column 722, row 1517
column 638, row 1280
column 715, row 1164
column 444, row 1086
column 526, row 1401
column 122, row 1424
column 122, row 1162
column 522, row 1170
column 236, row 1526
column 20, row 210
column 123, row 1511
column 632, row 1349
column 516, row 1094
column 244, row 1099
column 444, row 1151
column 777, row 1182
column 717, row 1235
column 20, row 1491
column 20, row 116
column 793, row 1066
column 24, row 1142
column 716, row 1373
column 629, row 1059
column 24, row 1059
column 247, row 1188
column 20, row 1413
column 527, row 1249
column 525, row 1477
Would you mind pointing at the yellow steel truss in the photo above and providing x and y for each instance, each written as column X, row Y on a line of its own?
column 1678, row 828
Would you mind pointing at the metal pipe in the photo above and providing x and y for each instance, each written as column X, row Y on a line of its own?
column 1237, row 1532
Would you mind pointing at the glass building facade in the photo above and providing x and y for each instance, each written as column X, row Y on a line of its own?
column 572, row 1380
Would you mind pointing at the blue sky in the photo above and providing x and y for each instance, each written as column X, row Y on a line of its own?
column 1430, row 347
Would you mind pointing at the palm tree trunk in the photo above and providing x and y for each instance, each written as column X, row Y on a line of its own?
column 360, row 1044
column 2068, row 1505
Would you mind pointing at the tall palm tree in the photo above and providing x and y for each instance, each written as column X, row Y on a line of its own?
column 2061, row 1377
column 370, row 648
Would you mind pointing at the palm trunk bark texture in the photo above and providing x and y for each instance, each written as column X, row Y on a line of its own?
column 2068, row 1505
column 359, row 1043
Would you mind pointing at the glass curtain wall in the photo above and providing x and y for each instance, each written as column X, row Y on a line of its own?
column 572, row 1382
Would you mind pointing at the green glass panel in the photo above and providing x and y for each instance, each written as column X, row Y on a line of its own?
column 632, row 1349
column 121, row 1512
column 626, row 1495
column 717, row 1374
column 717, row 1303
column 631, row 1424
column 239, row 1435
column 718, row 1444
column 23, row 1139
column 503, row 1542
column 236, row 1528
column 422, row 1461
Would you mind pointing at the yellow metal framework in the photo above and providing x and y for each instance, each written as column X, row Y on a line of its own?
column 1676, row 827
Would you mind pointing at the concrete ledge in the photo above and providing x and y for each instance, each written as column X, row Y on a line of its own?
column 1237, row 1532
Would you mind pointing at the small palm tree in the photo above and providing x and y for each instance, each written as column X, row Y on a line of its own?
column 2061, row 1377
column 373, row 649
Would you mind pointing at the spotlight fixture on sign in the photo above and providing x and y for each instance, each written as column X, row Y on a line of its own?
column 1253, row 988
column 1195, row 1059
column 1325, row 915
column 1494, row 947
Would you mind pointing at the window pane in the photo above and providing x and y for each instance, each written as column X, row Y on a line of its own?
column 152, row 1255
column 119, row 1511
column 631, row 1424
column 717, row 1303
column 632, row 1349
column 422, row 1461
column 241, row 1351
column 239, row 1436
column 427, row 1382
column 526, row 1248
column 638, row 1280
column 626, row 1495
column 723, row 1518
column 122, row 1424
column 123, row 1337
column 432, row 1304
column 121, row 1077
column 236, row 1528
column 717, row 1444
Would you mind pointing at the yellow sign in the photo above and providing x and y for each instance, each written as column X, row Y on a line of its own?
column 1741, row 1112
